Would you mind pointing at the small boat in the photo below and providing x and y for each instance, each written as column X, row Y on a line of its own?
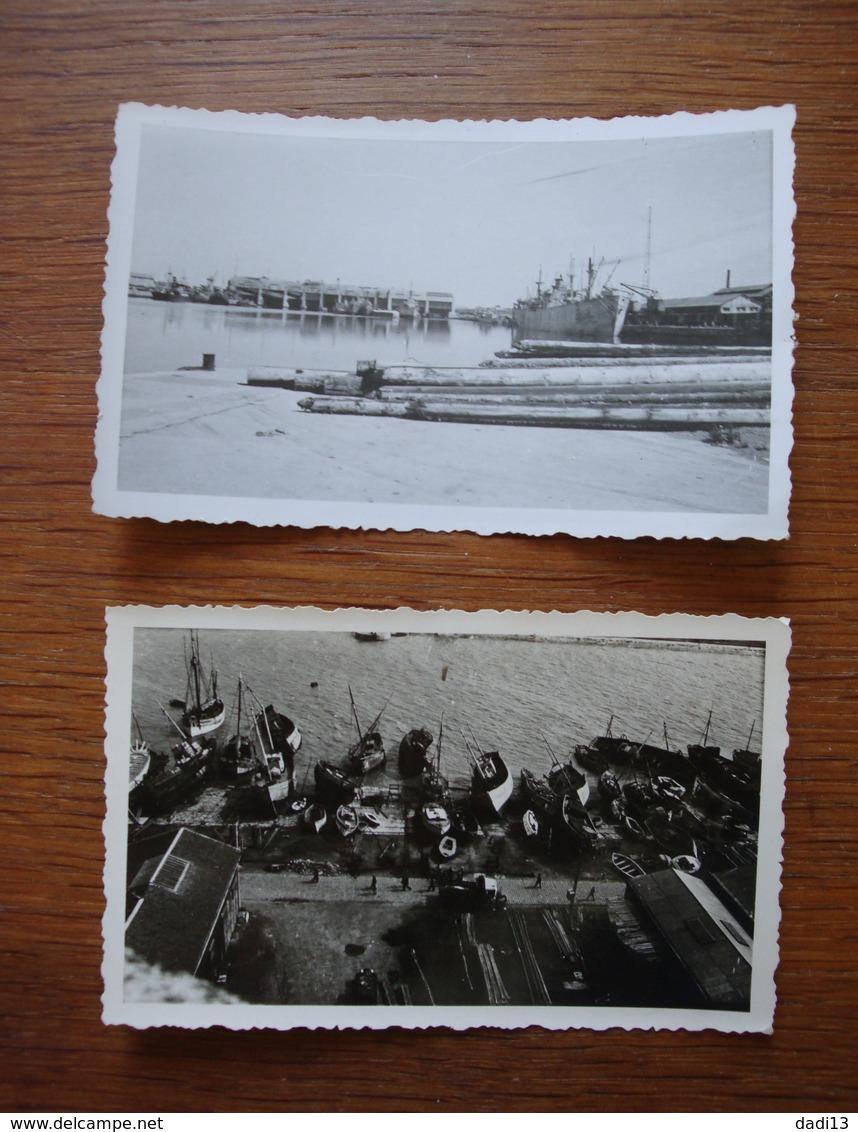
column 539, row 794
column 372, row 636
column 638, row 799
column 609, row 786
column 685, row 863
column 368, row 752
column 667, row 789
column 139, row 763
column 465, row 824
column 532, row 824
column 413, row 750
column 628, row 866
column 447, row 848
column 347, row 820
column 434, row 818
column 634, row 826
column 204, row 710
column 575, row 821
column 491, row 781
column 333, row 783
column 315, row 817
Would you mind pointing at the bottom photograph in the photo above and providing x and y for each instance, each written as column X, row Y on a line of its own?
column 352, row 818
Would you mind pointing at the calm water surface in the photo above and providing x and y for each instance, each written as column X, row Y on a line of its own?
column 510, row 691
column 163, row 336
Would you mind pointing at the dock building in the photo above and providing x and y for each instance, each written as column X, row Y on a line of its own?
column 317, row 297
column 712, row 951
column 184, row 906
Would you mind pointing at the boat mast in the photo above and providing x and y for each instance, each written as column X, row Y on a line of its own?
column 705, row 738
column 195, row 666
column 355, row 714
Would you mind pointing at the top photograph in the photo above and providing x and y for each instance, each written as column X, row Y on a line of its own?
column 566, row 326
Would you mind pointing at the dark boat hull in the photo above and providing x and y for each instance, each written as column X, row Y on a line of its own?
column 413, row 751
column 491, row 784
column 332, row 784
column 582, row 320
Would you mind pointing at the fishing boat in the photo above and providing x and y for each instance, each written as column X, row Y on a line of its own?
column 315, row 817
column 413, row 752
column 628, row 866
column 664, row 761
column 491, row 781
column 673, row 839
column 539, row 794
column 610, row 747
column 237, row 757
column 702, row 753
column 433, row 784
column 333, row 783
column 746, row 757
column 434, row 818
column 175, row 778
column 347, row 820
column 276, row 739
column 204, row 710
column 564, row 778
column 368, row 752
column 562, row 312
column 575, row 822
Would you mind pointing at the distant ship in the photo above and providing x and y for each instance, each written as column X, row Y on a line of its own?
column 563, row 313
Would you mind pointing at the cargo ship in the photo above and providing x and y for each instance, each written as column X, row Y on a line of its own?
column 563, row 313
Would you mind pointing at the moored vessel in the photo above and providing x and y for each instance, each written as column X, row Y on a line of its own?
column 368, row 752
column 562, row 312
column 491, row 781
column 332, row 783
column 413, row 752
column 204, row 710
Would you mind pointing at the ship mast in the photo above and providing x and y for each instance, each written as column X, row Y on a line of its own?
column 648, row 254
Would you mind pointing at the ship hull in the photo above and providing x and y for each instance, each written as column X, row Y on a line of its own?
column 583, row 320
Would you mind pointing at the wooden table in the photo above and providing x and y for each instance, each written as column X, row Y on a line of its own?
column 66, row 66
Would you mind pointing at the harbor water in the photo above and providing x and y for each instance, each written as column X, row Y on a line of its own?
column 162, row 336
column 504, row 692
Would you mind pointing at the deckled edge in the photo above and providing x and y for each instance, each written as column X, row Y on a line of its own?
column 776, row 633
column 108, row 500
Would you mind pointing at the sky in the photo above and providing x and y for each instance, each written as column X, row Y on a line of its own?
column 478, row 219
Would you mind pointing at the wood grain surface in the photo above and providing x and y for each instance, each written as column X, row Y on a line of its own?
column 65, row 68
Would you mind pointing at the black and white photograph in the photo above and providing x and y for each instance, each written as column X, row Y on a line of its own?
column 358, row 818
column 535, row 327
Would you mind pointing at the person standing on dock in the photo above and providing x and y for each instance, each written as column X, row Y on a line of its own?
column 591, row 895
column 406, row 887
column 373, row 885
column 538, row 882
